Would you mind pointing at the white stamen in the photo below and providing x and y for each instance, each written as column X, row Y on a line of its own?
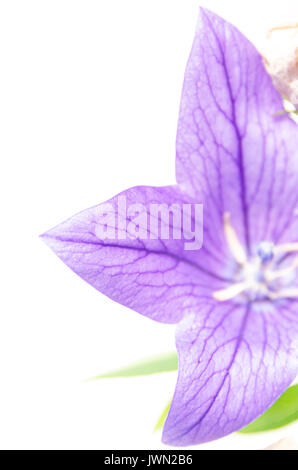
column 286, row 248
column 233, row 241
column 231, row 292
column 283, row 294
column 272, row 275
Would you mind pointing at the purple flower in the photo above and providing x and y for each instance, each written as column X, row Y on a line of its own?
column 235, row 299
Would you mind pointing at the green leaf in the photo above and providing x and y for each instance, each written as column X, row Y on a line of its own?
column 154, row 365
column 163, row 417
column 284, row 411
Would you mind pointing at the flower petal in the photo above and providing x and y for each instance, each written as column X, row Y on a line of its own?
column 155, row 277
column 234, row 148
column 234, row 362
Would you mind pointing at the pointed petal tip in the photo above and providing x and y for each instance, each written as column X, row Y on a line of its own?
column 172, row 437
column 48, row 239
column 205, row 12
column 166, row 440
column 44, row 237
column 171, row 440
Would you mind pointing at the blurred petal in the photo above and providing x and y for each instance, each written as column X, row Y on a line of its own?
column 234, row 362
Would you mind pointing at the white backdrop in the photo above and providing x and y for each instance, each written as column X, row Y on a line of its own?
column 89, row 96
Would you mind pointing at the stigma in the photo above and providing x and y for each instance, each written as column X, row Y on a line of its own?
column 260, row 276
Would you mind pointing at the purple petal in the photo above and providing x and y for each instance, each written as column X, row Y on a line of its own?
column 233, row 151
column 155, row 277
column 234, row 362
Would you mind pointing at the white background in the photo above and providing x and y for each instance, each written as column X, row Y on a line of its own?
column 89, row 96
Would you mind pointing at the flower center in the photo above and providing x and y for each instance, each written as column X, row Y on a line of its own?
column 268, row 275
